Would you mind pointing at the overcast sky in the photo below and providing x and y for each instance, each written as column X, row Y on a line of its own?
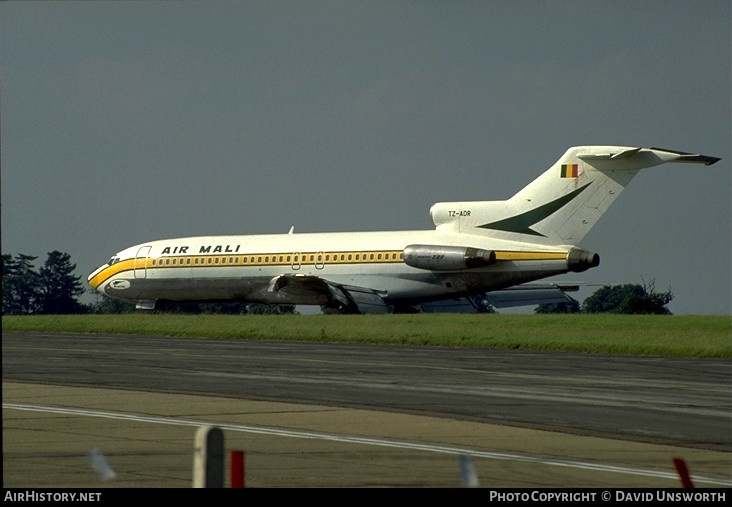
column 124, row 122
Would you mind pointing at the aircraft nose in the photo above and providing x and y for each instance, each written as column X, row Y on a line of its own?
column 94, row 273
column 92, row 279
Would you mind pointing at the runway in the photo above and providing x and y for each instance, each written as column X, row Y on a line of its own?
column 328, row 415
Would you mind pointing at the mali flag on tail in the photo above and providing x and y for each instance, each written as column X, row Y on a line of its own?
column 570, row 170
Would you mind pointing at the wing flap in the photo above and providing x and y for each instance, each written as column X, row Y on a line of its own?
column 366, row 300
column 297, row 289
column 313, row 290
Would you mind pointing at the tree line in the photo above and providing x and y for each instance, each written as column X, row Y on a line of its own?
column 627, row 298
column 54, row 289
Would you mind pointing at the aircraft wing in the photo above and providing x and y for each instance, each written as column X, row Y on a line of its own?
column 460, row 305
column 520, row 295
column 313, row 290
column 531, row 294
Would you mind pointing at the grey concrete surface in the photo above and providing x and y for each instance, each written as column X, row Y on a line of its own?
column 147, row 439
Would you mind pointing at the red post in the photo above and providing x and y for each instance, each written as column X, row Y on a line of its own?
column 237, row 469
column 683, row 472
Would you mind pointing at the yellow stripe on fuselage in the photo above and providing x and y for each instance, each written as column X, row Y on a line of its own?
column 288, row 259
column 110, row 271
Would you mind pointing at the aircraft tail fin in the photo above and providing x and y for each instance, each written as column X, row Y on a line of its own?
column 563, row 203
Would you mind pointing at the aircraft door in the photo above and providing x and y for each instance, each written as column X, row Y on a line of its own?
column 296, row 259
column 319, row 262
column 140, row 268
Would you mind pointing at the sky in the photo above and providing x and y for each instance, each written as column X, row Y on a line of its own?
column 124, row 122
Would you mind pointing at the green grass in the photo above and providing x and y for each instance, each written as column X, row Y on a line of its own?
column 662, row 335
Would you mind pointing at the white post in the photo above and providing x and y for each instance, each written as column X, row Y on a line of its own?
column 208, row 458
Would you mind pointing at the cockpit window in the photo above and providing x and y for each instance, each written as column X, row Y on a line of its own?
column 113, row 260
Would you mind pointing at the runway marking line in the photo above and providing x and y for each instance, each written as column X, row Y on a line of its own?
column 361, row 440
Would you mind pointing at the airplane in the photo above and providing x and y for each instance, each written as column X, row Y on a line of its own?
column 476, row 248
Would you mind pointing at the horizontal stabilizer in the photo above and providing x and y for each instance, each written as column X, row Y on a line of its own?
column 644, row 155
column 691, row 157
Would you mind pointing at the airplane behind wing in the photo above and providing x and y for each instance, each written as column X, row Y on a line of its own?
column 477, row 247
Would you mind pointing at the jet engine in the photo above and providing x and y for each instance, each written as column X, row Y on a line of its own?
column 579, row 260
column 447, row 258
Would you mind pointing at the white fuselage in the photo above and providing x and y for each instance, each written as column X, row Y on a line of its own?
column 218, row 268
